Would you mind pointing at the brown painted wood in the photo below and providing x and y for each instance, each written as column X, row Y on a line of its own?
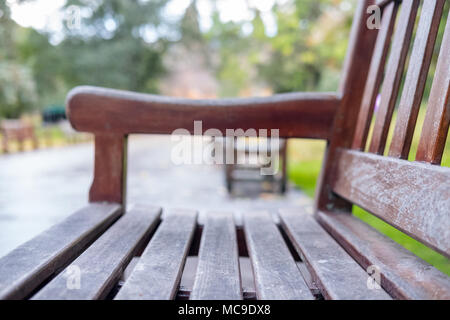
column 375, row 76
column 416, row 77
column 414, row 197
column 394, row 72
column 29, row 265
column 276, row 274
column 158, row 272
column 110, row 169
column 437, row 118
column 384, row 3
column 403, row 275
column 102, row 264
column 307, row 115
column 218, row 276
column 355, row 71
column 335, row 272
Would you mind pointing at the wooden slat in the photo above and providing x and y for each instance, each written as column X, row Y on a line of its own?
column 375, row 76
column 276, row 274
column 416, row 77
column 412, row 196
column 218, row 275
column 101, row 265
column 26, row 267
column 334, row 271
column 354, row 76
column 158, row 272
column 403, row 275
column 437, row 119
column 394, row 72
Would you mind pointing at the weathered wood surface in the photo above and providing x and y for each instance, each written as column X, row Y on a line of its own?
column 110, row 176
column 334, row 271
column 217, row 276
column 416, row 77
column 403, row 275
column 437, row 119
column 307, row 115
column 394, row 72
column 26, row 267
column 158, row 272
column 375, row 76
column 413, row 197
column 276, row 274
column 102, row 264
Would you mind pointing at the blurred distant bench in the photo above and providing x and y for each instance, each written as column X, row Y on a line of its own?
column 17, row 130
column 257, row 155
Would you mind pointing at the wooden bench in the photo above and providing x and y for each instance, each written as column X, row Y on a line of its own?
column 19, row 131
column 255, row 155
column 293, row 255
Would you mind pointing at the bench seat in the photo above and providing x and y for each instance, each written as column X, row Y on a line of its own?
column 97, row 253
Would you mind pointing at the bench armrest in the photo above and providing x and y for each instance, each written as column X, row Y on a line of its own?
column 299, row 115
column 113, row 114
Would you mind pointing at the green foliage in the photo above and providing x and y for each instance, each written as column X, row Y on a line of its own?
column 17, row 91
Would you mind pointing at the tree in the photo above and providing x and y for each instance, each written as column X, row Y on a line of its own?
column 17, row 86
column 109, row 47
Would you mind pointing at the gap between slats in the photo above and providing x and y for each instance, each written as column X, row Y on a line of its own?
column 416, row 77
column 394, row 72
column 375, row 76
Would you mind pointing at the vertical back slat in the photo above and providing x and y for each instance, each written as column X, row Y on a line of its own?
column 375, row 76
column 391, row 83
column 354, row 76
column 437, row 119
column 416, row 77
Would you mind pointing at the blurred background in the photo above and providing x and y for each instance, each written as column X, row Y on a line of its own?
column 184, row 48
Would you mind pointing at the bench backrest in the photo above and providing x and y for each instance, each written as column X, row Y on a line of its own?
column 413, row 196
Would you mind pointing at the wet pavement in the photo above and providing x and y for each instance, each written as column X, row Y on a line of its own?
column 41, row 188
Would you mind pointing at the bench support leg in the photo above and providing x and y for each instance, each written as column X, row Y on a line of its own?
column 110, row 169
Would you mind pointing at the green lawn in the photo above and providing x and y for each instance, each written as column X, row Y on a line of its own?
column 305, row 158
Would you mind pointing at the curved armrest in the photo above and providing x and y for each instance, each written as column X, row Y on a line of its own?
column 99, row 110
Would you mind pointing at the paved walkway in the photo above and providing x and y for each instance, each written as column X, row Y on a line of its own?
column 40, row 188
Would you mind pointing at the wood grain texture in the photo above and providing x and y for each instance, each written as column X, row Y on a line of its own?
column 335, row 272
column 354, row 76
column 394, row 73
column 102, row 264
column 110, row 170
column 437, row 118
column 158, row 272
column 26, row 267
column 218, row 276
column 375, row 76
column 403, row 275
column 307, row 115
column 416, row 77
column 276, row 274
column 411, row 196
